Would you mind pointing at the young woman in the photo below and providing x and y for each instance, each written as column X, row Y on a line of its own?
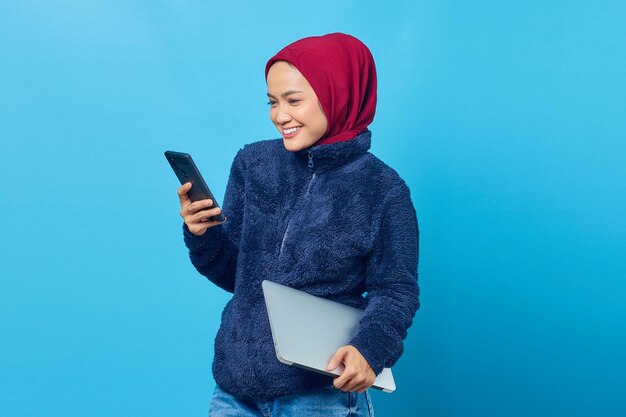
column 316, row 211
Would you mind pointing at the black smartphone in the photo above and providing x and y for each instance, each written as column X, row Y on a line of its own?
column 187, row 171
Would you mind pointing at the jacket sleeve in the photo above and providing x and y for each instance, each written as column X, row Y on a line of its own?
column 215, row 253
column 390, row 282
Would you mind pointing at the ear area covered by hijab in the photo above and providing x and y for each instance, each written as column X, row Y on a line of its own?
column 341, row 71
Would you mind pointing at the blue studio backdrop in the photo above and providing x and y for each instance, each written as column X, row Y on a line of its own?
column 505, row 118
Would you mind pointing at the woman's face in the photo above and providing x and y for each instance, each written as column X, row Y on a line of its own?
column 294, row 104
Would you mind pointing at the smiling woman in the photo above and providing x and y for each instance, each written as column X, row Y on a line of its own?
column 295, row 108
column 316, row 211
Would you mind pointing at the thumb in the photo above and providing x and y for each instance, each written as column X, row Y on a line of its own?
column 336, row 359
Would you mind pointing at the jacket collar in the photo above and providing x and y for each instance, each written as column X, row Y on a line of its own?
column 335, row 154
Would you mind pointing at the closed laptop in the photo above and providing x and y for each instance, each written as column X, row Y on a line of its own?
column 307, row 330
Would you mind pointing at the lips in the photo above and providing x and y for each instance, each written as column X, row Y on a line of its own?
column 291, row 132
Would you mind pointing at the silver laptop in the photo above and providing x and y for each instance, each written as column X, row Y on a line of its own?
column 307, row 330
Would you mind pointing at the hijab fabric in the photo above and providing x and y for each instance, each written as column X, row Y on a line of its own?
column 341, row 71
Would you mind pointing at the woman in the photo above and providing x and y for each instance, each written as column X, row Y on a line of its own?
column 316, row 211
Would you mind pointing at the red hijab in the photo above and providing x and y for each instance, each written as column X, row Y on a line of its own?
column 341, row 71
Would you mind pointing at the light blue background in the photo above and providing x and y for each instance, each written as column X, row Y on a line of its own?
column 506, row 119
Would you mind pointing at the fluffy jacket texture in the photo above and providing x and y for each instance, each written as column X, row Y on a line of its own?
column 332, row 220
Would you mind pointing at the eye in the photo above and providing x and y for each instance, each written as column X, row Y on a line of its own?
column 271, row 103
column 293, row 101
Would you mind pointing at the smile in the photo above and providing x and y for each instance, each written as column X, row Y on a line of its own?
column 291, row 130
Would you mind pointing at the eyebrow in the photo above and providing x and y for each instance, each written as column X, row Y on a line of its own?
column 286, row 93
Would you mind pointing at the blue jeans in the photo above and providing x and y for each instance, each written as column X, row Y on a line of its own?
column 326, row 402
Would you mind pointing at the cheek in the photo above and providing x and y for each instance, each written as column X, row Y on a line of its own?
column 323, row 122
column 308, row 114
column 316, row 118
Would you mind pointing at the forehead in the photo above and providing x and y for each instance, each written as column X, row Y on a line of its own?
column 283, row 76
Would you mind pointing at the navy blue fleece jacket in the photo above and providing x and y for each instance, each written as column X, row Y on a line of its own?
column 332, row 220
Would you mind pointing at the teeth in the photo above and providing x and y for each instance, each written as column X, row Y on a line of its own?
column 288, row 131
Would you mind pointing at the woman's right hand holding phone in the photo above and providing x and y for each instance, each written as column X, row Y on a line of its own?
column 196, row 214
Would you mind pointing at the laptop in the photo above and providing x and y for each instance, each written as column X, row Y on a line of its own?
column 307, row 330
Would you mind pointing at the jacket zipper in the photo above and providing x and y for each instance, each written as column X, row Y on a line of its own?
column 308, row 188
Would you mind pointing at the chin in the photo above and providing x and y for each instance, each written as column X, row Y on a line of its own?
column 297, row 144
column 291, row 146
column 294, row 145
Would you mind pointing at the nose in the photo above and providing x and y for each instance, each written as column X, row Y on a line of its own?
column 282, row 116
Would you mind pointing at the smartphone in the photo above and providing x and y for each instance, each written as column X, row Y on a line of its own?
column 186, row 171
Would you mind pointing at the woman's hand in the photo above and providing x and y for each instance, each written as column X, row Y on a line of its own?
column 196, row 214
column 357, row 374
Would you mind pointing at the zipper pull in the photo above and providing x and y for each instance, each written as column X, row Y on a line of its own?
column 310, row 160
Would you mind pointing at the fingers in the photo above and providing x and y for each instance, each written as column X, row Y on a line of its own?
column 198, row 223
column 358, row 382
column 357, row 374
column 348, row 380
column 352, row 386
column 362, row 388
column 197, row 214
column 182, row 194
column 337, row 359
column 348, row 372
column 200, row 228
column 342, row 381
column 197, row 206
column 204, row 215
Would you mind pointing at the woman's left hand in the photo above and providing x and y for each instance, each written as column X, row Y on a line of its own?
column 357, row 374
